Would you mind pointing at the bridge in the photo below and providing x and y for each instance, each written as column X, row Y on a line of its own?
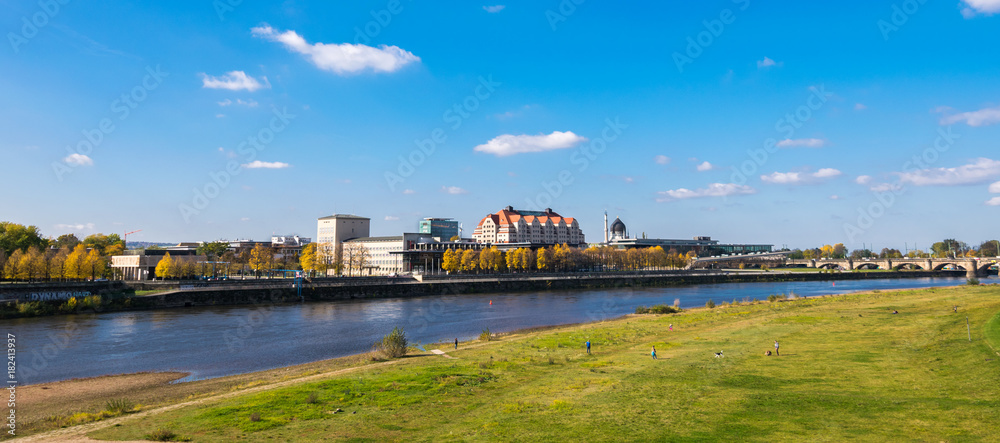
column 973, row 266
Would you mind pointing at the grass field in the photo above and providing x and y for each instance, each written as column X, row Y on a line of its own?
column 849, row 369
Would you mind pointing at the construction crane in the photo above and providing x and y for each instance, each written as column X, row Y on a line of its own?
column 125, row 237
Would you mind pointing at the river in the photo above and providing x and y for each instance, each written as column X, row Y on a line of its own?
column 217, row 341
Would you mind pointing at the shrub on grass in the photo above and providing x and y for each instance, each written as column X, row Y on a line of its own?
column 393, row 345
column 486, row 335
column 710, row 304
column 312, row 398
column 164, row 435
column 255, row 417
column 658, row 309
column 120, row 405
column 972, row 282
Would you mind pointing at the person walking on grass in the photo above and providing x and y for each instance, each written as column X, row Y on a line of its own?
column 653, row 353
column 776, row 348
column 588, row 347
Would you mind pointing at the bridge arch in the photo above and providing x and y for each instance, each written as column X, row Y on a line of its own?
column 984, row 268
column 828, row 266
column 908, row 266
column 941, row 266
column 867, row 265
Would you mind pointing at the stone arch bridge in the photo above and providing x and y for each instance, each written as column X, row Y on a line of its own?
column 974, row 267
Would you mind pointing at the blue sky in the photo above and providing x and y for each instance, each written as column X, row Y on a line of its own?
column 774, row 122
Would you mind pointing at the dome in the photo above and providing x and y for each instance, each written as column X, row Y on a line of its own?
column 618, row 227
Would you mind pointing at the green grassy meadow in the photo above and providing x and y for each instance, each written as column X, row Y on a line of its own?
column 848, row 370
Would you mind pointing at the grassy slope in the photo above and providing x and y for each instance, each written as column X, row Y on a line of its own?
column 849, row 370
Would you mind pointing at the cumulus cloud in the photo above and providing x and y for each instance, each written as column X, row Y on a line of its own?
column 705, row 166
column 985, row 7
column 802, row 143
column 767, row 63
column 494, row 9
column 409, row 192
column 981, row 171
column 453, row 190
column 661, row 159
column 995, row 201
column 249, row 103
column 233, row 81
column 836, row 197
column 75, row 226
column 343, row 58
column 507, row 144
column 982, row 117
column 78, row 160
column 713, row 190
column 800, row 178
column 257, row 164
column 995, row 188
column 863, row 179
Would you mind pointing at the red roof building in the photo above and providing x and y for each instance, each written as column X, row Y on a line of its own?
column 535, row 227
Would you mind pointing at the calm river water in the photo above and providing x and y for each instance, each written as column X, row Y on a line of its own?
column 217, row 341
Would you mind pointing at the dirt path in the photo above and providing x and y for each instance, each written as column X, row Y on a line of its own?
column 78, row 433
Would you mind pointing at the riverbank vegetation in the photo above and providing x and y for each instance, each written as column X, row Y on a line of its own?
column 891, row 365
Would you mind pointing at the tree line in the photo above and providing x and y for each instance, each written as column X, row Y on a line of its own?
column 948, row 248
column 28, row 256
column 561, row 258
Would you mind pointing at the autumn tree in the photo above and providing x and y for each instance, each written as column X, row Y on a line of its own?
column 164, row 269
column 546, row 260
column 57, row 264
column 259, row 259
column 451, row 262
column 76, row 262
column 309, row 259
column 95, row 265
column 470, row 260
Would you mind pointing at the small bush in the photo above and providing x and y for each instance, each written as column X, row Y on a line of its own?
column 658, row 309
column 255, row 417
column 710, row 304
column 772, row 298
column 972, row 282
column 120, row 405
column 164, row 435
column 393, row 345
column 312, row 398
column 552, row 361
column 486, row 335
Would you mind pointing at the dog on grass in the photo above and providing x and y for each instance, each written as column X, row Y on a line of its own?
column 719, row 354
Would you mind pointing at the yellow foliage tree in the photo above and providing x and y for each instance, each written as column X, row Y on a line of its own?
column 451, row 261
column 76, row 262
column 164, row 267
column 470, row 260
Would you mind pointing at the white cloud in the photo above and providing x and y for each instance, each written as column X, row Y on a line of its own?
column 391, row 218
column 860, row 107
column 409, row 192
column 713, row 190
column 75, row 226
column 767, row 63
column 981, row 171
column 863, row 179
column 220, row 115
column 506, row 144
column 453, row 190
column 982, row 117
column 257, row 164
column 802, row 143
column 836, row 197
column 245, row 219
column 705, row 166
column 78, row 160
column 344, row 58
column 995, row 201
column 233, row 81
column 249, row 103
column 494, row 9
column 800, row 178
column 986, row 7
column 885, row 187
column 661, row 159
column 995, row 188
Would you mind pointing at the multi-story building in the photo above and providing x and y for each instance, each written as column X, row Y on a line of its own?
column 528, row 227
column 443, row 229
column 337, row 228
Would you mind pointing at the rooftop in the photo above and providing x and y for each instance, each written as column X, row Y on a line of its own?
column 344, row 216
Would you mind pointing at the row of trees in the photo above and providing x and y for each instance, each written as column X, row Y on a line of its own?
column 349, row 258
column 561, row 258
column 948, row 248
column 35, row 264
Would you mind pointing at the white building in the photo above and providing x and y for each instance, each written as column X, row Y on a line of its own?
column 535, row 227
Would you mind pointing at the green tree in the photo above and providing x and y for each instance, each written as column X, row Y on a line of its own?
column 19, row 237
column 66, row 241
column 213, row 250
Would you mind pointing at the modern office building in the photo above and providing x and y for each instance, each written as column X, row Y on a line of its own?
column 337, row 228
column 444, row 229
column 534, row 228
column 618, row 237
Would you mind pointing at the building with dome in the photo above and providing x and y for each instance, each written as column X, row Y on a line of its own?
column 616, row 235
